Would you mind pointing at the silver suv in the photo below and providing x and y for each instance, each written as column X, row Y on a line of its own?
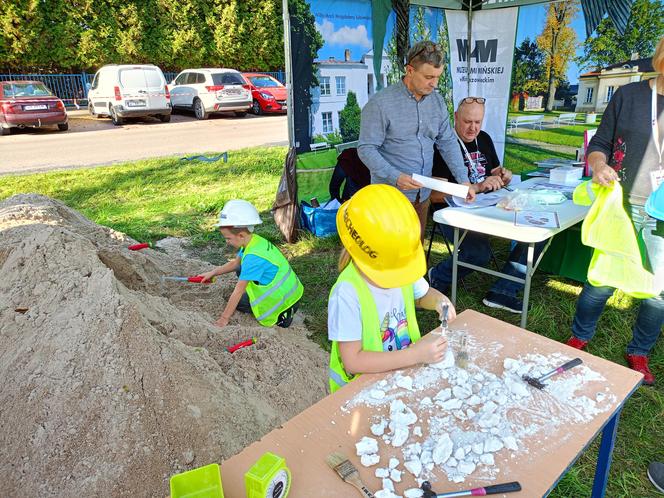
column 209, row 90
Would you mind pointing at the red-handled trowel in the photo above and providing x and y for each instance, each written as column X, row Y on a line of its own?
column 194, row 280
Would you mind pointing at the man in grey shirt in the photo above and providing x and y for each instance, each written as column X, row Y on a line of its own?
column 401, row 124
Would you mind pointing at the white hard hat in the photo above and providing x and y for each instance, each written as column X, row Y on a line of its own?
column 238, row 213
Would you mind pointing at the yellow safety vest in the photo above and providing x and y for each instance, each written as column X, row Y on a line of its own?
column 285, row 289
column 616, row 260
column 372, row 339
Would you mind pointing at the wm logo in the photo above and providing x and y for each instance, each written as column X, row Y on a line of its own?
column 484, row 51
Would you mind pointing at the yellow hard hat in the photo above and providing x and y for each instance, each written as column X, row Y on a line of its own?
column 380, row 230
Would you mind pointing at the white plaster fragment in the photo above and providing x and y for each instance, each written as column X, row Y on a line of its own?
column 510, row 443
column 443, row 449
column 487, row 459
column 417, row 431
column 452, row 404
column 405, row 382
column 452, row 462
column 394, row 462
column 382, row 473
column 414, row 467
column 378, row 429
column 377, row 394
column 413, row 493
column 466, row 467
column 492, row 444
column 400, row 436
column 387, row 484
column 478, row 448
column 474, row 400
column 385, row 493
column 395, row 475
column 443, row 394
column 369, row 460
column 461, row 392
column 459, row 454
column 366, row 446
column 446, row 362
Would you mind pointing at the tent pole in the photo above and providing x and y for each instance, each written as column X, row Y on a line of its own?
column 469, row 46
column 289, row 75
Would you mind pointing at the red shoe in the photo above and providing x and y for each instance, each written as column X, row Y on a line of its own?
column 640, row 364
column 577, row 343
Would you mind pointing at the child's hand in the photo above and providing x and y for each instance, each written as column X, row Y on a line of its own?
column 431, row 348
column 207, row 276
column 222, row 322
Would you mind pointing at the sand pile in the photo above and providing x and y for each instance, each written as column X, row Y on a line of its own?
column 113, row 380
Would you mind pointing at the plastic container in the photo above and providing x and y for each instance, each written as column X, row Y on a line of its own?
column 567, row 175
column 203, row 482
column 591, row 117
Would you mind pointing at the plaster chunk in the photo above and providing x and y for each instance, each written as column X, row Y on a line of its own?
column 443, row 449
column 369, row 460
column 414, row 467
column 366, row 446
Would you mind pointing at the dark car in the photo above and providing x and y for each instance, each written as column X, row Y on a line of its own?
column 268, row 94
column 29, row 104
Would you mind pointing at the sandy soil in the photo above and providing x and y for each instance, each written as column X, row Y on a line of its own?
column 114, row 380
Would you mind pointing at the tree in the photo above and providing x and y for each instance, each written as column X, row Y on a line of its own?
column 557, row 41
column 528, row 70
column 349, row 119
column 401, row 31
column 445, row 81
column 644, row 29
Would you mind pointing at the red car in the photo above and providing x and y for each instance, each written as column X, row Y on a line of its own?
column 269, row 94
column 29, row 103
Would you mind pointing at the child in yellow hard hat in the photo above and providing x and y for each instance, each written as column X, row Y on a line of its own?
column 267, row 285
column 371, row 310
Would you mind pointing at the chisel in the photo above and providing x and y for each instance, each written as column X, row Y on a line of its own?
column 508, row 487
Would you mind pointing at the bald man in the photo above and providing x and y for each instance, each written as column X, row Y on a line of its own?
column 484, row 171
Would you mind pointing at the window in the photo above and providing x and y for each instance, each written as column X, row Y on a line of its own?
column 328, row 126
column 228, row 79
column 589, row 95
column 325, row 85
column 609, row 92
column 180, row 80
column 341, row 85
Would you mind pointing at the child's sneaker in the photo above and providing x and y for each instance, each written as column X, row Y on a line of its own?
column 656, row 475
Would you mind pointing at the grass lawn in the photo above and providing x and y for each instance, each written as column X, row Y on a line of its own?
column 156, row 198
column 571, row 135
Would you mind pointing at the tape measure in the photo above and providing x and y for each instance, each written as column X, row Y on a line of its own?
column 268, row 477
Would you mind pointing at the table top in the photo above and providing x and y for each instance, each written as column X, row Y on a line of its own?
column 500, row 222
column 327, row 427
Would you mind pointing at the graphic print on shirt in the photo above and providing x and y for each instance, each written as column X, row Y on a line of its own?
column 394, row 330
column 477, row 166
column 619, row 151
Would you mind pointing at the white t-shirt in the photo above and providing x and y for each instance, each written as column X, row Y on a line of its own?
column 344, row 320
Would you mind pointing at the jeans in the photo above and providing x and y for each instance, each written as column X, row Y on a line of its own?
column 475, row 249
column 650, row 317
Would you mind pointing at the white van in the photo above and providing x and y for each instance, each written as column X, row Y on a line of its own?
column 123, row 91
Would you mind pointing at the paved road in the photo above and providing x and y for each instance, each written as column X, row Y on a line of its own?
column 92, row 142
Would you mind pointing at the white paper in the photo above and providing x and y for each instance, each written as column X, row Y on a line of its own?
column 441, row 186
column 540, row 219
column 481, row 200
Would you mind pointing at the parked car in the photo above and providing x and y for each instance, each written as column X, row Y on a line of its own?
column 31, row 104
column 123, row 91
column 268, row 94
column 207, row 91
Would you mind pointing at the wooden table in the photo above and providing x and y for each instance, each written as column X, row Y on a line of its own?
column 306, row 439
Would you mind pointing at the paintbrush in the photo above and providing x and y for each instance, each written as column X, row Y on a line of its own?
column 348, row 473
column 462, row 352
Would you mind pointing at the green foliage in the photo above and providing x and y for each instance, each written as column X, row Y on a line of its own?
column 333, row 138
column 644, row 29
column 528, row 71
column 349, row 119
column 64, row 35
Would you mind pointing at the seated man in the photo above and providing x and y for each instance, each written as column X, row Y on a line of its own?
column 350, row 172
column 484, row 170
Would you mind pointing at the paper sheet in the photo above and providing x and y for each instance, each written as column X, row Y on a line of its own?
column 540, row 219
column 441, row 186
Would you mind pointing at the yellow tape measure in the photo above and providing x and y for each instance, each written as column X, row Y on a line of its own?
column 268, row 477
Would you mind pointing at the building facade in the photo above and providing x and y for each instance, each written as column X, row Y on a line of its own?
column 597, row 87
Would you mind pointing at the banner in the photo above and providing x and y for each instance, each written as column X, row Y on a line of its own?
column 491, row 55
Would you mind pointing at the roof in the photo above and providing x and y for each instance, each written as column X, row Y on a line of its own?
column 644, row 64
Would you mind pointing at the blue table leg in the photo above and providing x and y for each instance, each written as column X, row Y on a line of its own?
column 605, row 455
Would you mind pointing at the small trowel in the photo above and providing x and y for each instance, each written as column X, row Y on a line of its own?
column 539, row 383
column 495, row 489
column 443, row 320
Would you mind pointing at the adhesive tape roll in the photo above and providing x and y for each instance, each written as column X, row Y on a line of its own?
column 279, row 485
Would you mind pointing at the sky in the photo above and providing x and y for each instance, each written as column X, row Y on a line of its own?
column 347, row 24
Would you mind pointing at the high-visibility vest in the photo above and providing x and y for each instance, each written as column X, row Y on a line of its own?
column 372, row 339
column 270, row 300
column 617, row 260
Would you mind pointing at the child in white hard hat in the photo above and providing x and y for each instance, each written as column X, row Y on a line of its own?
column 371, row 311
column 267, row 285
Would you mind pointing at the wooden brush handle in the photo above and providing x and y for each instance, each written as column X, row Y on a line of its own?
column 361, row 487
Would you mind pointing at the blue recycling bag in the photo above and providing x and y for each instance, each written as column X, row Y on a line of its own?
column 321, row 221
